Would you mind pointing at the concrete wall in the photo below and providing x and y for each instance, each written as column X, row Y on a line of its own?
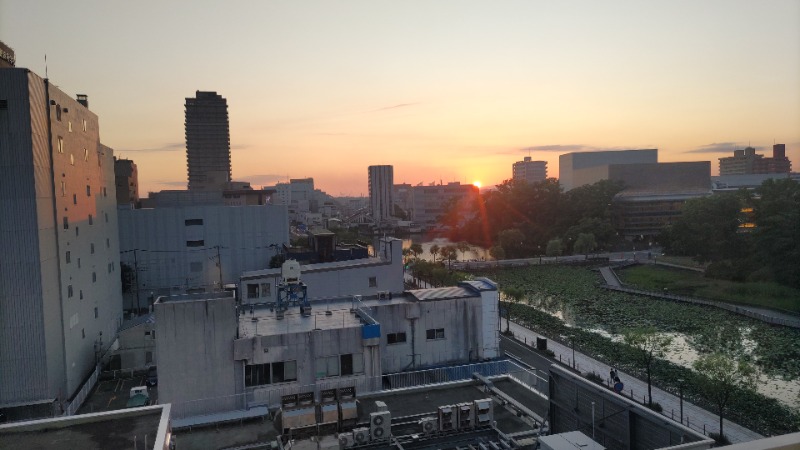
column 678, row 176
column 339, row 279
column 195, row 350
column 134, row 345
column 569, row 163
column 173, row 255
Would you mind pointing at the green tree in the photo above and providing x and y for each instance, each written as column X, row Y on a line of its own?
column 722, row 376
column 707, row 229
column 449, row 253
column 585, row 243
column 513, row 295
column 777, row 240
column 416, row 249
column 497, row 252
column 463, row 247
column 434, row 251
column 649, row 345
column 512, row 241
column 554, row 247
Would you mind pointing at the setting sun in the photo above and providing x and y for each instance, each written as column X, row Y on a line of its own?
column 477, row 184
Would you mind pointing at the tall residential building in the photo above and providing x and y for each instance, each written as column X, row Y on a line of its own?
column 578, row 169
column 127, row 181
column 60, row 293
column 381, row 183
column 529, row 171
column 431, row 202
column 208, row 143
column 747, row 161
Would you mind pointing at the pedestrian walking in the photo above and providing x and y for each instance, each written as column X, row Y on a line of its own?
column 618, row 386
column 612, row 374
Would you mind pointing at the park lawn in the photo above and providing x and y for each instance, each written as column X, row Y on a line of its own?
column 694, row 284
column 686, row 261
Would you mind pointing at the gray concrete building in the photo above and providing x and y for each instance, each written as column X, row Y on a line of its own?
column 381, row 185
column 196, row 248
column 208, row 143
column 578, row 169
column 60, row 299
column 127, row 182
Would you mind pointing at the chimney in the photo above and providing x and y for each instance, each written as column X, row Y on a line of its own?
column 83, row 99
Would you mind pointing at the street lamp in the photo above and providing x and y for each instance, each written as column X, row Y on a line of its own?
column 680, row 391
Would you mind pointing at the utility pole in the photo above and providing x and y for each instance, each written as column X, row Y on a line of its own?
column 136, row 279
column 219, row 266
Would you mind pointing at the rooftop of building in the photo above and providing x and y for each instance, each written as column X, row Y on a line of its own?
column 318, row 267
column 199, row 296
column 124, row 428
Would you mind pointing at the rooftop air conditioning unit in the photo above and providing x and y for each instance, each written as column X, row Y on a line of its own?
column 446, row 418
column 484, row 412
column 383, row 295
column 381, row 406
column 466, row 417
column 380, row 425
column 346, row 440
column 429, row 425
column 361, row 436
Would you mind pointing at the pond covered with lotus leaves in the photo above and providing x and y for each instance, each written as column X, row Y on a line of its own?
column 571, row 295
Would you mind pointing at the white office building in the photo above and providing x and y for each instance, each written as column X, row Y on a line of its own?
column 529, row 171
column 60, row 298
column 578, row 169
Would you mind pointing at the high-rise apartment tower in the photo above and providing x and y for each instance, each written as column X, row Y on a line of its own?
column 208, row 143
column 529, row 171
column 381, row 183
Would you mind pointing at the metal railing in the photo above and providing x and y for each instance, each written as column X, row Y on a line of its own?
column 87, row 387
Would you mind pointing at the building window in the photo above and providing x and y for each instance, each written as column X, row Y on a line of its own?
column 395, row 338
column 95, row 313
column 79, row 263
column 68, row 257
column 106, row 217
column 373, row 281
column 69, row 291
column 277, row 372
column 94, row 277
column 72, row 159
column 74, row 199
column 60, row 145
column 84, row 124
column 105, row 192
column 199, row 243
column 58, row 113
column 77, row 231
column 334, row 366
column 88, row 191
column 66, row 223
column 265, row 290
column 85, row 155
column 91, row 220
column 63, row 189
column 189, row 222
column 83, row 333
column 252, row 291
column 196, row 266
column 69, row 126
column 80, row 294
column 108, row 243
column 434, row 333
column 91, row 248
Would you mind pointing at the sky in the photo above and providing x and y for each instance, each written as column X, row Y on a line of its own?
column 442, row 90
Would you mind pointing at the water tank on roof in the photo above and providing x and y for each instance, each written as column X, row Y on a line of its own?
column 290, row 271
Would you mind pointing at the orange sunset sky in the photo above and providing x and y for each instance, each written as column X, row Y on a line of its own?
column 442, row 90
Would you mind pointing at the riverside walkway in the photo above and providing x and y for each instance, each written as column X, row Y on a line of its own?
column 694, row 416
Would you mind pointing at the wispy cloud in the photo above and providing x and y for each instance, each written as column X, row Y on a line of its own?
column 399, row 105
column 558, row 148
column 261, row 179
column 169, row 147
column 172, row 183
column 719, row 147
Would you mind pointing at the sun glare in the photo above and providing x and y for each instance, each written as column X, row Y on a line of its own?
column 477, row 184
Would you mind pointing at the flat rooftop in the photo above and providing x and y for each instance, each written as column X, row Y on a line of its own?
column 118, row 429
column 263, row 322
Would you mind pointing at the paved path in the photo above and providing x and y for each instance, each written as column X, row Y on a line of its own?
column 696, row 417
column 610, row 277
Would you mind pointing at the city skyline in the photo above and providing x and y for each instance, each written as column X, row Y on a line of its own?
column 443, row 92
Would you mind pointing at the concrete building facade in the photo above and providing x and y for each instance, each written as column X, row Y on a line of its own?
column 578, row 169
column 60, row 298
column 381, row 185
column 431, row 202
column 196, row 248
column 208, row 143
column 654, row 194
column 529, row 171
column 126, row 181
column 747, row 161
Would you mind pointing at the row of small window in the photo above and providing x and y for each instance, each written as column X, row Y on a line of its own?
column 75, row 196
column 77, row 229
column 59, row 109
column 399, row 338
column 68, row 256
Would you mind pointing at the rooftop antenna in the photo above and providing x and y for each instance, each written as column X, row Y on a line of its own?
column 45, row 65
